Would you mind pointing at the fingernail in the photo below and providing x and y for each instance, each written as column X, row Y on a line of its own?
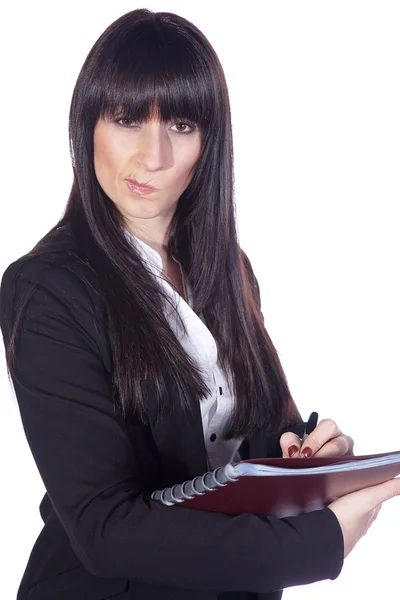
column 292, row 451
column 306, row 452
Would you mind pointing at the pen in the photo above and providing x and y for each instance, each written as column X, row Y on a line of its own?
column 310, row 426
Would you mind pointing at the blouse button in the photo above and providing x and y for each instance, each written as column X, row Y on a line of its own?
column 213, row 437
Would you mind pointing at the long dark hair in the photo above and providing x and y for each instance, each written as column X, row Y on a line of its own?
column 146, row 59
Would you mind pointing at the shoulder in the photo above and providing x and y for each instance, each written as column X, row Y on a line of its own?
column 56, row 266
column 56, row 293
column 55, row 280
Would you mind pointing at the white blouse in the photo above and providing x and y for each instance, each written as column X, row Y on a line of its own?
column 199, row 343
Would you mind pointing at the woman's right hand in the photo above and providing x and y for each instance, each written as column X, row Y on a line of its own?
column 358, row 510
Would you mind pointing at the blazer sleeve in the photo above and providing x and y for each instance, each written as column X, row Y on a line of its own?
column 89, row 468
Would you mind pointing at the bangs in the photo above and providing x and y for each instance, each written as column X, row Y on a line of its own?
column 150, row 70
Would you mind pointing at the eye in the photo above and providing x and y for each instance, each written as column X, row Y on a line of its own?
column 123, row 119
column 189, row 124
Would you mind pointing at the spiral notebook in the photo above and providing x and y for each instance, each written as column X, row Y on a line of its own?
column 280, row 487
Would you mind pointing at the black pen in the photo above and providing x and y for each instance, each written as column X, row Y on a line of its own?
column 310, row 426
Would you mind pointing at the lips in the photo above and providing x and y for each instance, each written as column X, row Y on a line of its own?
column 141, row 187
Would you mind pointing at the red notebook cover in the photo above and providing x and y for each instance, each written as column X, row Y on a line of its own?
column 290, row 495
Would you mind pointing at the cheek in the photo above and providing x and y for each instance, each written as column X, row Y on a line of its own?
column 187, row 162
column 107, row 155
column 101, row 154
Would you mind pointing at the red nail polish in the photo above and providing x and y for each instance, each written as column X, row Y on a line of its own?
column 306, row 452
column 292, row 451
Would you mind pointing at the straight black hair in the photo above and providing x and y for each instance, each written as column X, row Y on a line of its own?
column 147, row 61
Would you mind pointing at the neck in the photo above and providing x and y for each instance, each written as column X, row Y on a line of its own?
column 155, row 238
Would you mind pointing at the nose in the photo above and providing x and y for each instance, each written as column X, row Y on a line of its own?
column 154, row 146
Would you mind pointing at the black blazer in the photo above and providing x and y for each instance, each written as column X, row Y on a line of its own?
column 102, row 535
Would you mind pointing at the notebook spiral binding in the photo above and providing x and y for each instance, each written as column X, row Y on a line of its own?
column 198, row 486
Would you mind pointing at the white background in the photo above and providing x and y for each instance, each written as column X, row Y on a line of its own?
column 315, row 96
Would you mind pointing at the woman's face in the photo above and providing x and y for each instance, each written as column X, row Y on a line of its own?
column 161, row 155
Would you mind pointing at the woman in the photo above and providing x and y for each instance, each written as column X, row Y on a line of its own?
column 136, row 346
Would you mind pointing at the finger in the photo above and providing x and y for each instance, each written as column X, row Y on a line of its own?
column 391, row 489
column 378, row 494
column 287, row 441
column 338, row 446
column 350, row 443
column 325, row 431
